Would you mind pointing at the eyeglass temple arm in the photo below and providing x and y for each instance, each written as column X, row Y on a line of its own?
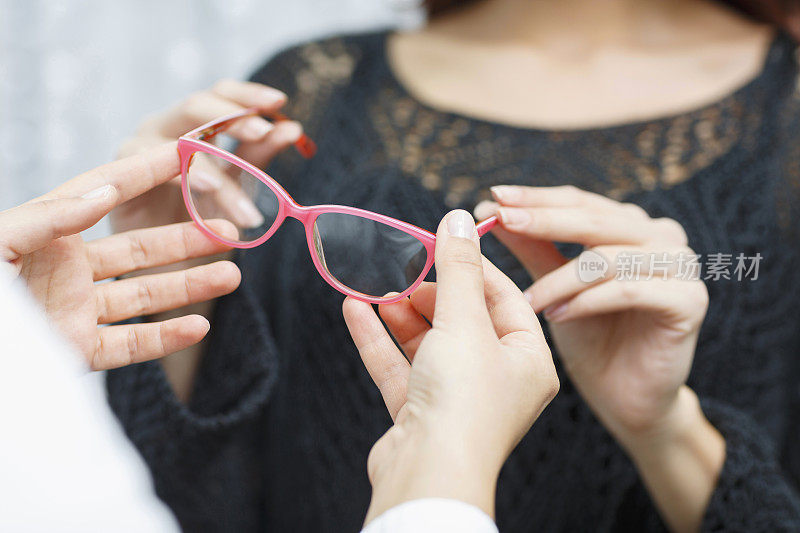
column 304, row 145
column 485, row 226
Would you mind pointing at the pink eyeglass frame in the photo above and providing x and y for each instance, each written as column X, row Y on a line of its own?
column 191, row 143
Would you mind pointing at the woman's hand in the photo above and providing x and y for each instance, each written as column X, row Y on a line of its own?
column 40, row 240
column 260, row 141
column 627, row 344
column 473, row 375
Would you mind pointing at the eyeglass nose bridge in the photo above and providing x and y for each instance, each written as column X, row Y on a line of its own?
column 292, row 209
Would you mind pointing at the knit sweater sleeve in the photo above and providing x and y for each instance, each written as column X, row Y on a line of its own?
column 753, row 492
column 202, row 455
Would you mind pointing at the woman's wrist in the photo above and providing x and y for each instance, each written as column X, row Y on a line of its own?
column 679, row 460
column 682, row 425
column 411, row 463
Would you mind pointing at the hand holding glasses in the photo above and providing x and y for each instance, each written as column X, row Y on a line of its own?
column 361, row 254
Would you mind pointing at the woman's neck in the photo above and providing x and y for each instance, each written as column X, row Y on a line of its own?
column 572, row 64
column 532, row 21
column 555, row 25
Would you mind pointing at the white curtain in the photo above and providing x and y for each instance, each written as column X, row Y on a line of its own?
column 76, row 76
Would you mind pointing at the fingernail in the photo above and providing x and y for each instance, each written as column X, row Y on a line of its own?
column 251, row 215
column 100, row 192
column 485, row 209
column 291, row 130
column 390, row 295
column 273, row 95
column 554, row 312
column 461, row 224
column 204, row 181
column 513, row 217
column 256, row 127
column 504, row 193
column 529, row 297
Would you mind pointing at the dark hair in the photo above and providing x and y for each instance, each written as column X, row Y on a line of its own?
column 784, row 14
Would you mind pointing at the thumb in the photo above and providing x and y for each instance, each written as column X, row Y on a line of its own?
column 33, row 225
column 460, row 302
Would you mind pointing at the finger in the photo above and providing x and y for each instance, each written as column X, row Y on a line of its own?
column 225, row 197
column 154, row 293
column 562, row 196
column 574, row 224
column 146, row 248
column 221, row 189
column 141, row 143
column 216, row 187
column 33, row 225
column 676, row 299
column 249, row 129
column 537, row 256
column 405, row 324
column 589, row 224
column 249, row 94
column 131, row 176
column 124, row 345
column 460, row 304
column 424, row 300
column 205, row 106
column 508, row 309
column 207, row 173
column 598, row 265
column 284, row 135
column 512, row 316
column 385, row 363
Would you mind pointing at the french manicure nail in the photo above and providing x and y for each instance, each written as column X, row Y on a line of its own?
column 272, row 95
column 554, row 312
column 251, row 215
column 485, row 209
column 461, row 224
column 504, row 193
column 391, row 294
column 528, row 297
column 514, row 217
column 100, row 192
column 291, row 130
column 257, row 127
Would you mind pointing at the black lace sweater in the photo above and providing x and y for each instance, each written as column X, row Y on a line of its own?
column 283, row 414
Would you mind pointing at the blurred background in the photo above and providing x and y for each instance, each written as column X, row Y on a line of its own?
column 77, row 76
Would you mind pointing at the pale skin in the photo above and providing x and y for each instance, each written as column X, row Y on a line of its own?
column 41, row 242
column 558, row 65
column 573, row 64
column 627, row 345
column 472, row 374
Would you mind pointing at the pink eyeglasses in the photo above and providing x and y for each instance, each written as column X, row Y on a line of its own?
column 361, row 254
